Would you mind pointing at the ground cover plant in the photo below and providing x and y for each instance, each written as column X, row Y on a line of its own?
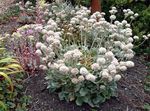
column 79, row 69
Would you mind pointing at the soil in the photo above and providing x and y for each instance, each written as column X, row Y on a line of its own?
column 131, row 95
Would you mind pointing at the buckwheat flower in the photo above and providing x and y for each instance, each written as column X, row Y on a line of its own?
column 64, row 69
column 102, row 87
column 111, row 67
column 130, row 39
column 124, row 47
column 145, row 37
column 117, row 77
column 43, row 67
column 68, row 55
column 102, row 50
column 105, row 74
column 49, row 64
column 44, row 31
column 90, row 77
column 102, row 13
column 109, row 55
column 74, row 80
column 116, row 22
column 128, row 25
column 117, row 43
column 52, row 54
column 123, row 68
column 115, row 61
column 112, row 17
column 113, row 72
column 124, row 22
column 130, row 64
column 130, row 12
column 38, row 52
column 84, row 71
column 136, row 15
column 53, row 66
column 38, row 45
column 50, row 32
column 74, row 71
column 81, row 78
column 136, row 37
column 60, row 61
column 129, row 56
column 110, row 78
column 148, row 35
column 130, row 45
column 43, row 47
column 72, row 22
column 101, row 61
column 77, row 54
column 44, row 59
column 95, row 66
column 124, row 10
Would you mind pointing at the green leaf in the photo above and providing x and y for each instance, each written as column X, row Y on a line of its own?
column 2, row 105
column 98, row 99
column 61, row 96
column 146, row 106
column 8, row 79
column 79, row 101
column 83, row 91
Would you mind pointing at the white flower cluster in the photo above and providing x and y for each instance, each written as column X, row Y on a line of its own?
column 86, row 47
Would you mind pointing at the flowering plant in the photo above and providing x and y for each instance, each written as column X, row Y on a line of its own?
column 22, row 43
column 84, row 54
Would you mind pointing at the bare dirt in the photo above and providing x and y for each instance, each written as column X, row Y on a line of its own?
column 131, row 95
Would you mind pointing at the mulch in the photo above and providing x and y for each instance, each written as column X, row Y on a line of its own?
column 131, row 95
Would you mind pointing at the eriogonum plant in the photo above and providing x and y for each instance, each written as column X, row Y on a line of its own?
column 84, row 54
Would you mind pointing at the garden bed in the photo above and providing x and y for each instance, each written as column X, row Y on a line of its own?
column 131, row 95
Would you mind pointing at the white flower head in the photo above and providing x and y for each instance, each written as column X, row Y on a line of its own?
column 90, row 77
column 111, row 67
column 136, row 37
column 74, row 71
column 43, row 48
column 84, row 71
column 38, row 52
column 38, row 45
column 112, row 17
column 102, row 50
column 64, row 69
column 95, row 66
column 74, row 80
column 101, row 61
column 81, row 78
column 109, row 55
column 43, row 67
column 105, row 74
column 123, row 68
column 117, row 77
column 130, row 64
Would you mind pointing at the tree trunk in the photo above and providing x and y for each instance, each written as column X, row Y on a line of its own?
column 95, row 6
